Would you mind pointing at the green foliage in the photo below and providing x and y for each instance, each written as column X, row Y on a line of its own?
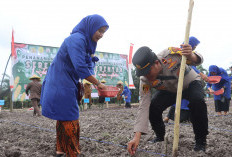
column 5, row 90
column 203, row 70
column 135, row 92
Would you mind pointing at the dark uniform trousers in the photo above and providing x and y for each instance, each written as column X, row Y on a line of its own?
column 198, row 110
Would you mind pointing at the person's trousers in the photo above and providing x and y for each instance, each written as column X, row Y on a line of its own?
column 198, row 109
column 184, row 114
column 222, row 105
column 35, row 103
column 128, row 105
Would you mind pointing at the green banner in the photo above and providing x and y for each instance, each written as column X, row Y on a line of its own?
column 112, row 67
column 35, row 59
column 30, row 60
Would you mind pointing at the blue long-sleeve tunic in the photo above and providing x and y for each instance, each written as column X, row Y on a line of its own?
column 72, row 62
column 224, row 82
column 127, row 92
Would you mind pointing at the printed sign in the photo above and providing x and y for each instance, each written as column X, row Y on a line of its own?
column 2, row 102
column 107, row 99
column 86, row 100
column 112, row 68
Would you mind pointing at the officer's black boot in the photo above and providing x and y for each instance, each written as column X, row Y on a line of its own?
column 200, row 145
column 160, row 132
column 158, row 139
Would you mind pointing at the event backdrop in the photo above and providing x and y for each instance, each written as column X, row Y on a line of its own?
column 35, row 59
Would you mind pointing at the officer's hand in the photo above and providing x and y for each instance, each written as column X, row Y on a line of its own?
column 101, row 86
column 133, row 144
column 187, row 50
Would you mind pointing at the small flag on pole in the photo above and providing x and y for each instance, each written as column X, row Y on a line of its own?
column 13, row 57
column 131, row 83
column 13, row 53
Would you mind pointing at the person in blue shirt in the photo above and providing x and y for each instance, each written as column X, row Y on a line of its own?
column 127, row 93
column 75, row 60
column 222, row 101
column 194, row 42
column 184, row 114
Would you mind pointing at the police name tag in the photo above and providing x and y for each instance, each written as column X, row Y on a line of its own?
column 107, row 99
column 86, row 100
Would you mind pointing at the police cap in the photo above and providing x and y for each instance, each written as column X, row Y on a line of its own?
column 143, row 59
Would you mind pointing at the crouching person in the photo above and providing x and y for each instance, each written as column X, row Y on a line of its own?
column 161, row 71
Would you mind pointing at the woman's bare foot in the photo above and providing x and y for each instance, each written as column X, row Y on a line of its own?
column 219, row 113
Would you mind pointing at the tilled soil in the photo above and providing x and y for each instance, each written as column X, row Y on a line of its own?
column 105, row 133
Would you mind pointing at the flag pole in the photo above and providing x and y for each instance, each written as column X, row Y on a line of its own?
column 180, row 84
column 13, row 55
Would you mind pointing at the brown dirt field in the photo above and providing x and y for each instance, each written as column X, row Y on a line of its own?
column 105, row 133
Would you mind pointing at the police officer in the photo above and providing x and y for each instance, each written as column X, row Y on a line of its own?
column 161, row 72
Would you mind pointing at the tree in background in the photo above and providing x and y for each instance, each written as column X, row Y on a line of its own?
column 5, row 90
column 135, row 92
column 203, row 70
column 229, row 70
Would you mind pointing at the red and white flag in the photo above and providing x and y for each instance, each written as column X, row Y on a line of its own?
column 130, row 53
column 131, row 83
column 13, row 53
column 13, row 58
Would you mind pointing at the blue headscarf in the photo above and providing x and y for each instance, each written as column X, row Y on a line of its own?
column 219, row 72
column 193, row 41
column 127, row 89
column 215, row 69
column 88, row 26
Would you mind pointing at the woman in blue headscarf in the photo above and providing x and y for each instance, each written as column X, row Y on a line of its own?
column 75, row 60
column 222, row 102
column 194, row 42
column 127, row 93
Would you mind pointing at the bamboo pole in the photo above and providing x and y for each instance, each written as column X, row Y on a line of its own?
column 180, row 84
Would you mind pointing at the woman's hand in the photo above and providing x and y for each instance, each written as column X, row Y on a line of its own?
column 204, row 77
column 211, row 91
column 101, row 86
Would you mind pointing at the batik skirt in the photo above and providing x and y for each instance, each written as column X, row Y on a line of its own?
column 67, row 137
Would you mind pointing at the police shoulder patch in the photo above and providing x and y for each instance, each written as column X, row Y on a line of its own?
column 175, row 50
column 146, row 88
